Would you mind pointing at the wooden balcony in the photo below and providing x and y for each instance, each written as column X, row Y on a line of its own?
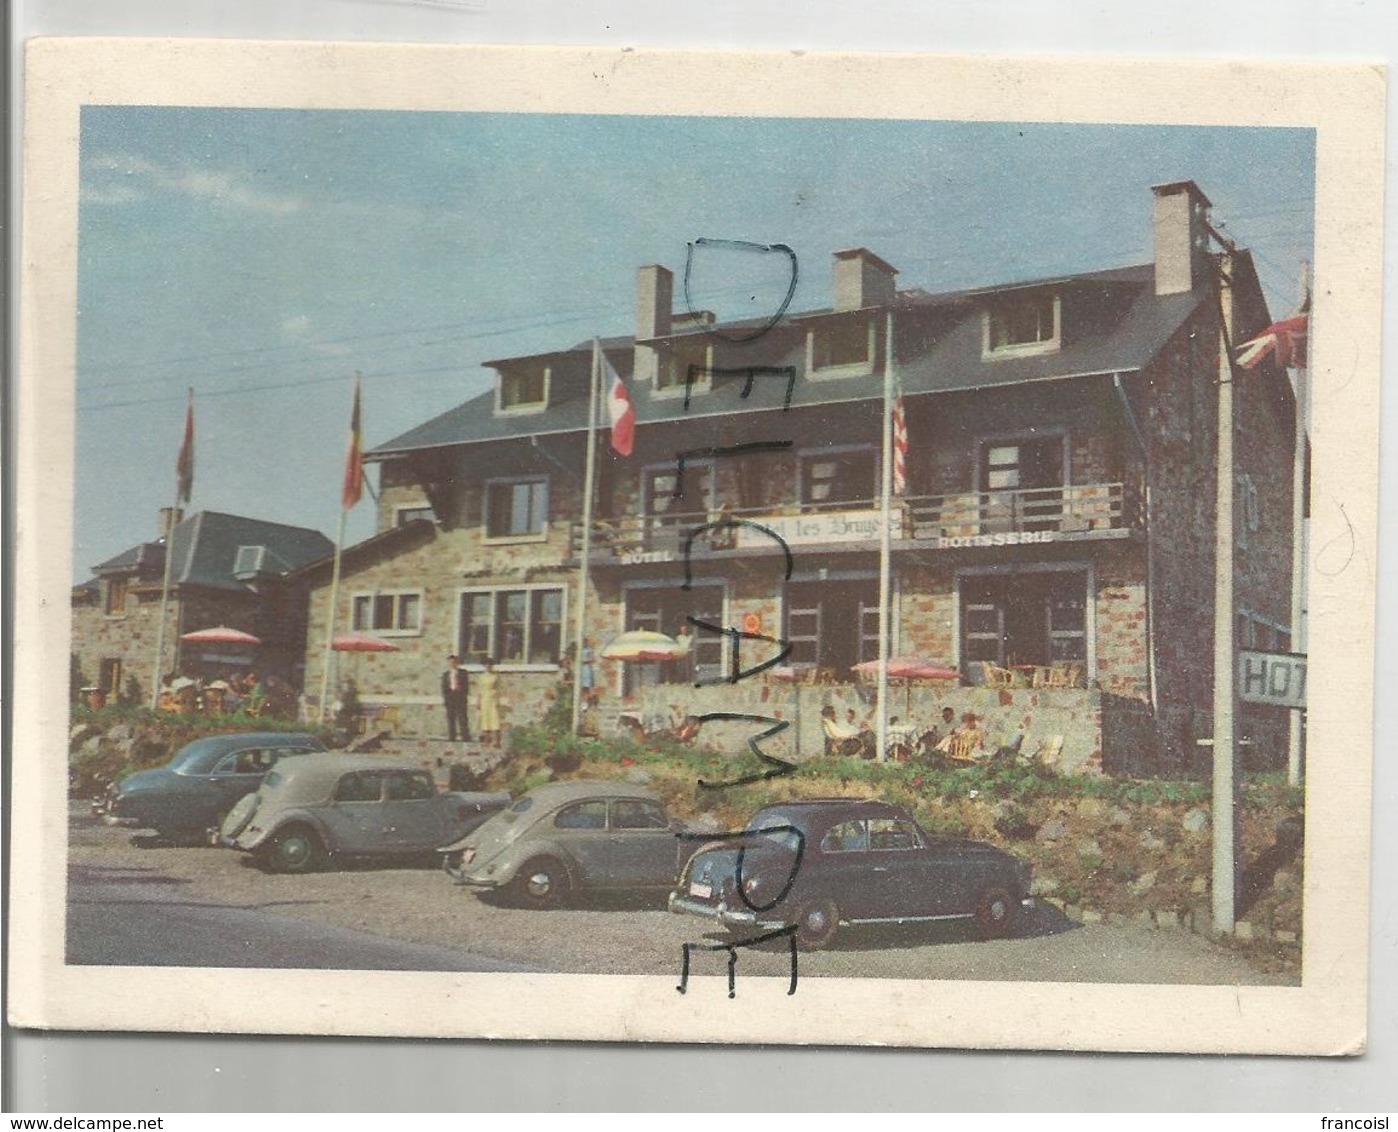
column 927, row 522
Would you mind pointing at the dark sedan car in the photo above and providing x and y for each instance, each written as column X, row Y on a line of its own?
column 190, row 794
column 825, row 862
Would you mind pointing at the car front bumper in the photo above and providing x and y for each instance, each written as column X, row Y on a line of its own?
column 720, row 913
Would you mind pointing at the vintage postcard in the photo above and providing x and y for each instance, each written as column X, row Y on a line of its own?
column 639, row 545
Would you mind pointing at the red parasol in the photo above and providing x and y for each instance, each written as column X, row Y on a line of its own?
column 360, row 642
column 221, row 635
column 910, row 668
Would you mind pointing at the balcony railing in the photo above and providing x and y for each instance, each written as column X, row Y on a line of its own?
column 974, row 518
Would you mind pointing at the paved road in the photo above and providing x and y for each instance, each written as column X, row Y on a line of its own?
column 120, row 917
column 135, row 902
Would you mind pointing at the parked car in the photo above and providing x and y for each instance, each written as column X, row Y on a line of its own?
column 825, row 862
column 189, row 795
column 569, row 836
column 334, row 806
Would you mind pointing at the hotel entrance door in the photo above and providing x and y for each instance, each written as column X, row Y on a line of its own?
column 832, row 625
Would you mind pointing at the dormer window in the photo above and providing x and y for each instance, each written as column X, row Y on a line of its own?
column 684, row 359
column 1023, row 325
column 523, row 389
column 842, row 345
column 248, row 562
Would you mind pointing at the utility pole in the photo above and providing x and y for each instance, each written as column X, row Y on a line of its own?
column 1224, row 655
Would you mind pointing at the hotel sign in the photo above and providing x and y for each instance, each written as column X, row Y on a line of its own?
column 820, row 526
column 1272, row 678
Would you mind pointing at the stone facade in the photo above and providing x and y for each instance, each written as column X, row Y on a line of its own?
column 1113, row 573
column 116, row 616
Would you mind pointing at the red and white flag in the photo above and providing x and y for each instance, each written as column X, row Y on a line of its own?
column 1285, row 340
column 900, row 448
column 620, row 411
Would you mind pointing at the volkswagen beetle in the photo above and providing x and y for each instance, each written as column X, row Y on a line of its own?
column 569, row 836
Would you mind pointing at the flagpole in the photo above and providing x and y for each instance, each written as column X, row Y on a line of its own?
column 184, row 483
column 1298, row 532
column 330, row 617
column 159, row 673
column 351, row 484
column 885, row 541
column 589, row 476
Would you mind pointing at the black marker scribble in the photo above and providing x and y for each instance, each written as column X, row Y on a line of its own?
column 694, row 372
column 725, row 524
column 747, row 246
column 745, row 837
column 720, row 451
column 732, row 948
column 736, row 637
column 779, row 766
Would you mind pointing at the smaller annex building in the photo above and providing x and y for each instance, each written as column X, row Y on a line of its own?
column 1059, row 442
column 226, row 570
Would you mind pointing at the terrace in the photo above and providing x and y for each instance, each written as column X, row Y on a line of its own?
column 1081, row 512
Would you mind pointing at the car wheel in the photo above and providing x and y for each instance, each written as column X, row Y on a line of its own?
column 295, row 849
column 995, row 912
column 540, row 883
column 816, row 924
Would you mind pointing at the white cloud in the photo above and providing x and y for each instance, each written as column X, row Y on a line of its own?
column 298, row 329
column 138, row 177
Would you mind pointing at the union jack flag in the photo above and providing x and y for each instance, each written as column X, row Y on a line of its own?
column 1285, row 340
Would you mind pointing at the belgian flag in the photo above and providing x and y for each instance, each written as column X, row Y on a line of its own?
column 353, row 486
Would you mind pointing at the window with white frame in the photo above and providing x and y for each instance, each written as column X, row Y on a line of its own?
column 1022, row 325
column 389, row 612
column 516, row 508
column 511, row 626
column 838, row 476
column 414, row 513
column 523, row 388
column 842, row 344
column 248, row 561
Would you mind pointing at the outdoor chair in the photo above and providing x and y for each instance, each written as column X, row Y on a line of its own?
column 997, row 677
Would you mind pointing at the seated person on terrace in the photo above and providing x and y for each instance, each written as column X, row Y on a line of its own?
column 840, row 738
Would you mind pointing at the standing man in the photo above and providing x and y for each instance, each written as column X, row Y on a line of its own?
column 454, row 698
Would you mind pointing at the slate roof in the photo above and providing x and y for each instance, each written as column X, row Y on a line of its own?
column 390, row 538
column 142, row 557
column 206, row 547
column 1118, row 325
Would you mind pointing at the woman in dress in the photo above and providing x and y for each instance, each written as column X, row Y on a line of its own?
column 488, row 705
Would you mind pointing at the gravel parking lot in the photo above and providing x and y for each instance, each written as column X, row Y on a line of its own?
column 630, row 935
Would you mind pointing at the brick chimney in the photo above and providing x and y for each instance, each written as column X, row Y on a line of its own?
column 862, row 279
column 1181, row 237
column 655, row 291
column 655, row 296
column 170, row 518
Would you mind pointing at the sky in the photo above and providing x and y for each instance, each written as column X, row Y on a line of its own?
column 263, row 257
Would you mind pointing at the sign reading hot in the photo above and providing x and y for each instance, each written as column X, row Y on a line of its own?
column 1272, row 678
